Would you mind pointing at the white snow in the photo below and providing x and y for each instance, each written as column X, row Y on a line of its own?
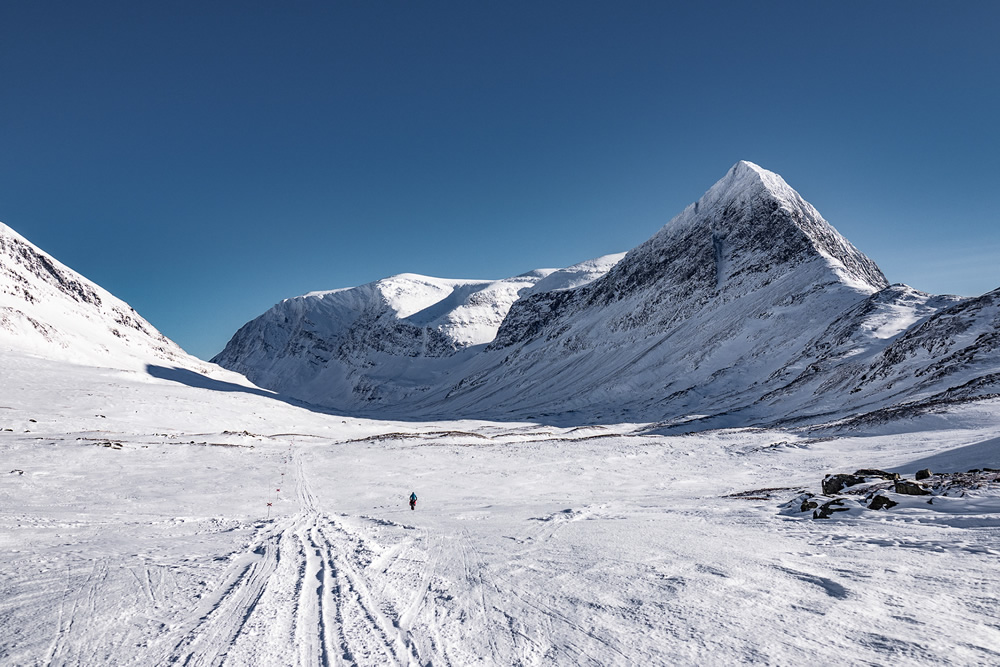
column 138, row 534
column 577, row 275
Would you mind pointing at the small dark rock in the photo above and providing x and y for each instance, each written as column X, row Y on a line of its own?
column 835, row 483
column 881, row 502
column 975, row 470
column 828, row 508
column 874, row 472
column 909, row 488
column 923, row 474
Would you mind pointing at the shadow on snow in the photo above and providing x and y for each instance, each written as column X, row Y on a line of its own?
column 199, row 381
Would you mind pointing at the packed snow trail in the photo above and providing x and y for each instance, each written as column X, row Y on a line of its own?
column 294, row 596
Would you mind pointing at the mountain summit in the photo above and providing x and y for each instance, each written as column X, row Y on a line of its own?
column 749, row 223
column 750, row 203
column 695, row 319
column 748, row 232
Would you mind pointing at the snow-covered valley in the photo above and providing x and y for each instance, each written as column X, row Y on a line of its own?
column 139, row 533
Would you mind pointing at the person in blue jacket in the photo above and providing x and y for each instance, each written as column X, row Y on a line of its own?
column 413, row 500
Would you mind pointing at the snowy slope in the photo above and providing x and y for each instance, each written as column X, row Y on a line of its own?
column 382, row 342
column 51, row 311
column 955, row 353
column 745, row 291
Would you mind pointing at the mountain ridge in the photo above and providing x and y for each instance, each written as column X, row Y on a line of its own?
column 748, row 303
column 48, row 310
column 391, row 337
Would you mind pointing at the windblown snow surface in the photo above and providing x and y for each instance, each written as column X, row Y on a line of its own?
column 135, row 531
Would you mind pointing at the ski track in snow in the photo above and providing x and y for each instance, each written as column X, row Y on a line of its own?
column 300, row 591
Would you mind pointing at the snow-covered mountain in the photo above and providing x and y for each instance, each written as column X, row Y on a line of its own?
column 748, row 307
column 49, row 310
column 694, row 321
column 383, row 341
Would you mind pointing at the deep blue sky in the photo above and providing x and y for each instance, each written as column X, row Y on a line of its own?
column 204, row 160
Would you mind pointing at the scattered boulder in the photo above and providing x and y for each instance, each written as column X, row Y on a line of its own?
column 881, row 502
column 833, row 484
column 804, row 502
column 874, row 472
column 906, row 487
column 858, row 492
column 808, row 503
column 827, row 509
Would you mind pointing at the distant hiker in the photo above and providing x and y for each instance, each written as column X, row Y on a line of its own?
column 413, row 500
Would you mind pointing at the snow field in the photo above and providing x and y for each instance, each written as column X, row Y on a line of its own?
column 140, row 537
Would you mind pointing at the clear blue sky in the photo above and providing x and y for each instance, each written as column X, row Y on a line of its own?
column 204, row 160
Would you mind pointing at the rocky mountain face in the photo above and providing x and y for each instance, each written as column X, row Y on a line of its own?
column 954, row 353
column 51, row 311
column 746, row 308
column 694, row 321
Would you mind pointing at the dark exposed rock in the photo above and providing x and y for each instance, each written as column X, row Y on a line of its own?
column 880, row 502
column 760, row 494
column 874, row 472
column 906, row 487
column 923, row 474
column 804, row 502
column 836, row 483
column 827, row 509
